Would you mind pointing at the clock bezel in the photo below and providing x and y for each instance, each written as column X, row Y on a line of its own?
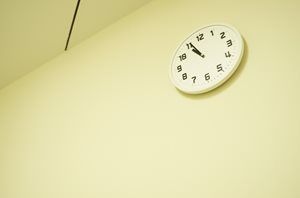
column 187, row 90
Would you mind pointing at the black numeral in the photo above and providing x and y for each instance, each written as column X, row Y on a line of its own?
column 229, row 43
column 182, row 57
column 207, row 76
column 222, row 35
column 220, row 68
column 212, row 33
column 200, row 37
column 189, row 45
column 184, row 76
column 179, row 68
column 227, row 54
column 194, row 79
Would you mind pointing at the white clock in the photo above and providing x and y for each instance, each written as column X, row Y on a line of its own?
column 207, row 58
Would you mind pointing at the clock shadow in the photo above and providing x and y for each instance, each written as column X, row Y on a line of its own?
column 225, row 85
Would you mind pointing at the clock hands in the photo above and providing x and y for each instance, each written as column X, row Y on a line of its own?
column 197, row 51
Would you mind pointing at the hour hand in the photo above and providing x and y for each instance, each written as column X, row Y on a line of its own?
column 197, row 51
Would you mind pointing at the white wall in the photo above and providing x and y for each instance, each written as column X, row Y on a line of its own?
column 103, row 119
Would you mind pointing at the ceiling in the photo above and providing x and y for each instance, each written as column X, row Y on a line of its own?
column 34, row 31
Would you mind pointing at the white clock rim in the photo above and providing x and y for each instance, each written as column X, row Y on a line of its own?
column 184, row 89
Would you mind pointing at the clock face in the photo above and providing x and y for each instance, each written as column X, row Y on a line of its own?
column 206, row 59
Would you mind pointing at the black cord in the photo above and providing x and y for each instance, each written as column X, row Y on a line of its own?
column 71, row 28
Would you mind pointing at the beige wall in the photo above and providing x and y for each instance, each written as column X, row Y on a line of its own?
column 103, row 119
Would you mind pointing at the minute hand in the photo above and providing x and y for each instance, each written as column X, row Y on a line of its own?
column 197, row 51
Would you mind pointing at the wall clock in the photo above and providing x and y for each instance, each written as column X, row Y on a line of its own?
column 206, row 58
